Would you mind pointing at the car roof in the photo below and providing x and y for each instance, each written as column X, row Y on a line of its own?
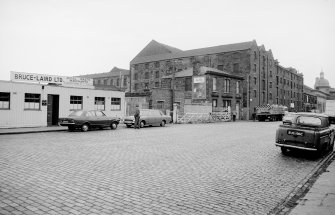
column 311, row 114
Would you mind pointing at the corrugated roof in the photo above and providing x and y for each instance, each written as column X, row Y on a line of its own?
column 194, row 52
column 113, row 73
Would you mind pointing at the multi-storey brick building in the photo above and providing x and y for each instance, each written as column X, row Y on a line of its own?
column 261, row 79
column 117, row 79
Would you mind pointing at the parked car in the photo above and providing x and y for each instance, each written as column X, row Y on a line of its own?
column 86, row 120
column 149, row 117
column 306, row 131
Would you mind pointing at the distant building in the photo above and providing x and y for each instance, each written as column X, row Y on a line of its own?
column 323, row 91
column 310, row 99
column 116, row 79
column 251, row 76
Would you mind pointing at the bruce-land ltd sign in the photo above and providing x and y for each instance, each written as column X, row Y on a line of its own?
column 53, row 79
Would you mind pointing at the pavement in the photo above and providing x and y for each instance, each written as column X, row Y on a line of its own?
column 320, row 198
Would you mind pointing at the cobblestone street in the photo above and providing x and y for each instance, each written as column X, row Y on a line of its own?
column 219, row 168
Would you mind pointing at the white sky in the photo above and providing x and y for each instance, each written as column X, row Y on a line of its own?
column 76, row 37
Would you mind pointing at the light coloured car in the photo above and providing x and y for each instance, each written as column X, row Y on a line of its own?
column 149, row 117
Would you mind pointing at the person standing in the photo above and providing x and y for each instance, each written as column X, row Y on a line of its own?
column 137, row 118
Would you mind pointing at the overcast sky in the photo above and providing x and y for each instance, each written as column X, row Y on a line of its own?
column 76, row 37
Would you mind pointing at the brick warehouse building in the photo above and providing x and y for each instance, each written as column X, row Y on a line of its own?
column 262, row 80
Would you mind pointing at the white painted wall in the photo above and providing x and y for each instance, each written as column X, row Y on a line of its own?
column 17, row 116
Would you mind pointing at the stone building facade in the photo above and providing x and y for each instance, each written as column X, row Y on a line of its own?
column 264, row 80
column 117, row 79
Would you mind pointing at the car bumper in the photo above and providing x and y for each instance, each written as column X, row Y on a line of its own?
column 295, row 147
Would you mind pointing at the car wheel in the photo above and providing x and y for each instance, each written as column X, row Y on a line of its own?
column 70, row 128
column 85, row 127
column 113, row 126
column 163, row 123
column 142, row 124
column 284, row 150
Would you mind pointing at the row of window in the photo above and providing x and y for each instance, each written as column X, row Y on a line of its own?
column 226, row 85
column 114, row 82
column 225, row 103
column 33, row 102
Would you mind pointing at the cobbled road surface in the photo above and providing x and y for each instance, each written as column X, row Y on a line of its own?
column 217, row 168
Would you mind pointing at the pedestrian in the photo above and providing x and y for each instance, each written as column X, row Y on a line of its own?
column 137, row 118
column 234, row 116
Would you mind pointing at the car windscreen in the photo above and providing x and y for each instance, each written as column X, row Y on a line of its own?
column 76, row 113
column 309, row 121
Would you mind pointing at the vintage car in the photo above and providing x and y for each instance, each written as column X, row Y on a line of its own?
column 306, row 131
column 86, row 120
column 149, row 117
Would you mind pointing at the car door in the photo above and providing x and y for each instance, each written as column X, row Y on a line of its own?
column 101, row 119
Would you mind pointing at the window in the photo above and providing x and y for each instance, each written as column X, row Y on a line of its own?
column 255, row 80
column 226, row 103
column 136, row 86
column 118, row 82
column 263, row 95
column 270, row 96
column 157, row 74
column 105, row 82
column 255, row 67
column 214, row 84
column 263, row 83
column 146, row 66
column 136, row 66
column 115, row 103
column 157, row 84
column 227, row 86
column 76, row 102
column 32, row 101
column 160, row 105
column 215, row 103
column 146, row 75
column 237, row 87
column 188, row 84
column 236, row 67
column 255, row 55
column 270, row 86
column 157, row 64
column 270, row 74
column 125, row 81
column 255, row 93
column 220, row 67
column 136, row 76
column 99, row 103
column 4, row 100
column 146, row 86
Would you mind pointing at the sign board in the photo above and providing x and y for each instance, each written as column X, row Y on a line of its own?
column 52, row 79
column 199, row 87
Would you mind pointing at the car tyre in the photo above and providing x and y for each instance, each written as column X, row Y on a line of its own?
column 85, row 127
column 163, row 123
column 284, row 150
column 142, row 124
column 70, row 128
column 113, row 126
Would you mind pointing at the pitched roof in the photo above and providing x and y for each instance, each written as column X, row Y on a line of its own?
column 150, row 56
column 114, row 72
column 156, row 48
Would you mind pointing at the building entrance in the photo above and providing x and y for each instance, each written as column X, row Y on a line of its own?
column 53, row 109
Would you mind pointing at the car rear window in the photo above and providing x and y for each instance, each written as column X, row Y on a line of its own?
column 309, row 121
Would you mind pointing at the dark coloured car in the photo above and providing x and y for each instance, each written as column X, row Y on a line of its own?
column 86, row 120
column 149, row 117
column 306, row 131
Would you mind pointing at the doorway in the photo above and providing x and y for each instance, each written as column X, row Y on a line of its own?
column 238, row 110
column 53, row 109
